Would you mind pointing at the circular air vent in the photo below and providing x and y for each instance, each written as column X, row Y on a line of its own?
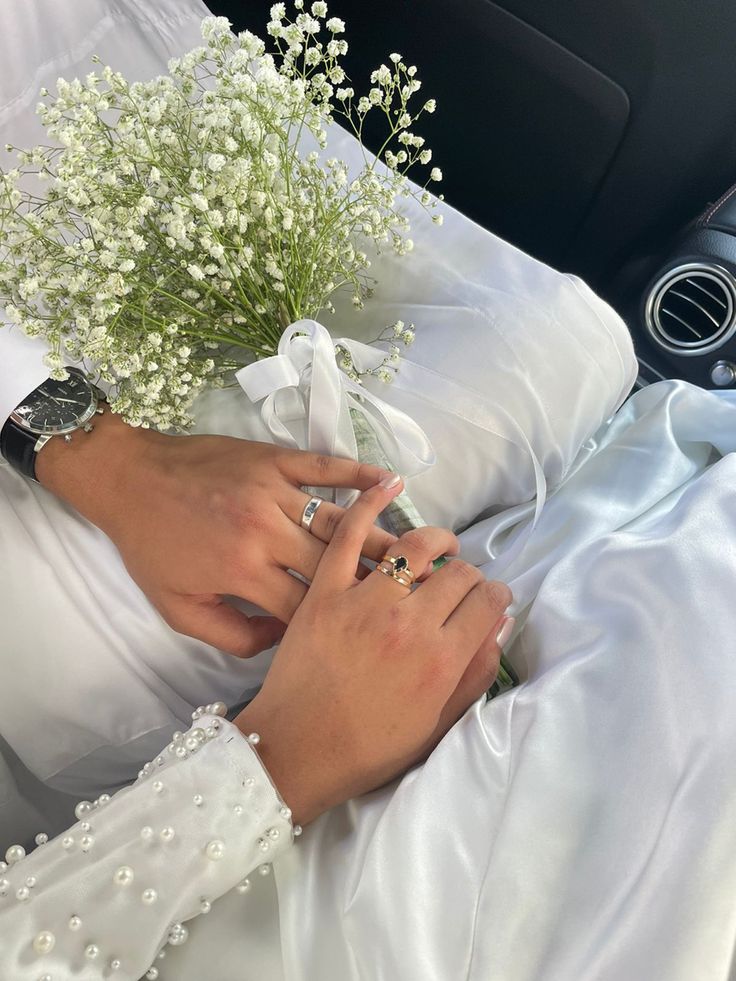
column 692, row 309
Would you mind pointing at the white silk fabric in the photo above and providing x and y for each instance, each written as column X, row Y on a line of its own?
column 580, row 827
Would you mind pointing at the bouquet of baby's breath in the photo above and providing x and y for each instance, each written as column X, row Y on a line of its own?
column 179, row 226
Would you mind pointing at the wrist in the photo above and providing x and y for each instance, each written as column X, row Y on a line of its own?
column 293, row 769
column 93, row 470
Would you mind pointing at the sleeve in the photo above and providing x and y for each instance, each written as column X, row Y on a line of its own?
column 21, row 367
column 104, row 898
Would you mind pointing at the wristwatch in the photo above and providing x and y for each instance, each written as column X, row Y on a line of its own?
column 55, row 408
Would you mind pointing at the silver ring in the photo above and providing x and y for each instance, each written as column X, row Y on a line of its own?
column 309, row 512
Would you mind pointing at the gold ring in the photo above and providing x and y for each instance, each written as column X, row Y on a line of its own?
column 310, row 509
column 397, row 567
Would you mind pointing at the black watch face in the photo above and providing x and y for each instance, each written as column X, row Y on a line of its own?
column 57, row 406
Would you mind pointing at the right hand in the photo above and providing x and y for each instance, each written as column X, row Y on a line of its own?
column 370, row 675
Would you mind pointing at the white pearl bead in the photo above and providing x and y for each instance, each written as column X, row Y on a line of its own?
column 152, row 974
column 198, row 800
column 67, row 842
column 45, row 977
column 123, row 876
column 243, row 887
column 263, row 844
column 4, row 887
column 147, row 832
column 181, row 752
column 297, row 830
column 264, row 869
column 23, row 894
column 219, row 708
column 44, row 942
column 191, row 744
column 167, row 834
column 31, row 881
column 15, row 854
column 157, row 787
column 254, row 739
column 41, row 838
column 215, row 850
column 75, row 923
column 285, row 813
column 105, row 798
column 149, row 896
column 82, row 808
column 177, row 737
column 91, row 951
column 205, row 906
column 274, row 833
column 3, row 866
column 210, row 732
column 86, row 842
column 178, row 935
column 250, row 782
column 115, row 964
column 199, row 735
column 160, row 761
column 238, row 810
column 85, row 826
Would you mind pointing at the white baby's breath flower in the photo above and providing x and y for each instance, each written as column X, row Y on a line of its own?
column 215, row 162
column 435, row 174
column 192, row 225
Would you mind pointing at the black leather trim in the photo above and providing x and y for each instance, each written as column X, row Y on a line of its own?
column 17, row 446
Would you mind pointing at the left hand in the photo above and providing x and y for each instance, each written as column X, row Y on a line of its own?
column 200, row 518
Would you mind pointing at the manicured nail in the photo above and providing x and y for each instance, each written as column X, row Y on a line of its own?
column 391, row 481
column 504, row 634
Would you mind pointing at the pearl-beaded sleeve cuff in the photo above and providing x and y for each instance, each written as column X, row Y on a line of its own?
column 102, row 900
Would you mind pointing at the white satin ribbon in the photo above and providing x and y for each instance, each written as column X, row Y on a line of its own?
column 304, row 380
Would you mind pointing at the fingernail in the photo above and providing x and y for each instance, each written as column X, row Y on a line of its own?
column 504, row 634
column 391, row 481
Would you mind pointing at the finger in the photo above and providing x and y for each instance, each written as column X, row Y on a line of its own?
column 298, row 550
column 342, row 555
column 477, row 615
column 326, row 519
column 444, row 590
column 319, row 470
column 214, row 621
column 279, row 594
column 420, row 547
column 477, row 678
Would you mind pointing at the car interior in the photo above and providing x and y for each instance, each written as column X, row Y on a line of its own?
column 597, row 137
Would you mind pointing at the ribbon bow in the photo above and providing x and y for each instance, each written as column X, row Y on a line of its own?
column 304, row 381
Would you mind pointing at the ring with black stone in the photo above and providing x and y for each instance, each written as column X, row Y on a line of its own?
column 397, row 567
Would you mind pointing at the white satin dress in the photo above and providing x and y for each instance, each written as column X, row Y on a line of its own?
column 580, row 827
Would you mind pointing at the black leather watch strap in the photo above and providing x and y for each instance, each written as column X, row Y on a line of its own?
column 17, row 446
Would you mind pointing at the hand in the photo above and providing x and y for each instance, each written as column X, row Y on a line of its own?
column 370, row 675
column 200, row 518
